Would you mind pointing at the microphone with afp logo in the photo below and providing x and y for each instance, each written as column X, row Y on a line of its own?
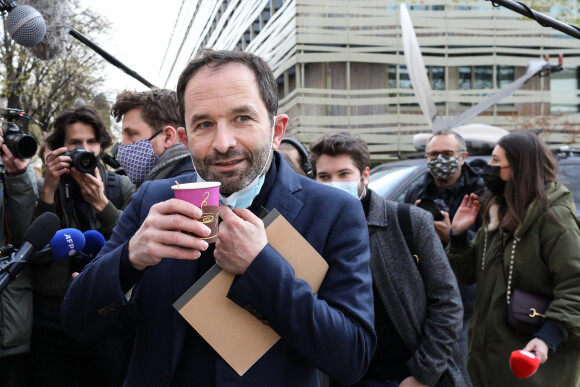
column 66, row 243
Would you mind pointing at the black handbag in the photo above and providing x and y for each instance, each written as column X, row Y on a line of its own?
column 527, row 311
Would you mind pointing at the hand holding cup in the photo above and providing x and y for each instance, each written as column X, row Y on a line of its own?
column 167, row 233
column 204, row 195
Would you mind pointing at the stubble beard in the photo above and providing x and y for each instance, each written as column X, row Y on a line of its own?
column 234, row 181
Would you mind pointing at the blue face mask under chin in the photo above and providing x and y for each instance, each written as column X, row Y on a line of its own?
column 245, row 197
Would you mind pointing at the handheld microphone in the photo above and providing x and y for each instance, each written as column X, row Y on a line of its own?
column 94, row 242
column 66, row 243
column 35, row 238
column 24, row 24
column 524, row 364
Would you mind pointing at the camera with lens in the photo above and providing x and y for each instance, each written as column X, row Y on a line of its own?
column 82, row 160
column 432, row 207
column 22, row 145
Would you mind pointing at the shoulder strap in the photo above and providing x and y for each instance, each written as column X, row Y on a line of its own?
column 113, row 189
column 404, row 217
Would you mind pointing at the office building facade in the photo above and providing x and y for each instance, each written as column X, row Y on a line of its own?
column 340, row 64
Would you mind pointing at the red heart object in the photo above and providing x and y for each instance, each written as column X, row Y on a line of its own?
column 523, row 363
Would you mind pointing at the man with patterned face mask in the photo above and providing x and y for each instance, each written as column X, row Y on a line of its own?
column 150, row 149
column 449, row 179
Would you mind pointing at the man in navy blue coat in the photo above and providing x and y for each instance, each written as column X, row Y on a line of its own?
column 229, row 104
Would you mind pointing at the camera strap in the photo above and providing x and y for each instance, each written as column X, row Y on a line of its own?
column 78, row 213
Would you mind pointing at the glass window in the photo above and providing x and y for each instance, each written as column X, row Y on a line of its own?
column 564, row 91
column 438, row 73
column 388, row 181
column 483, row 77
column 392, row 76
column 404, row 80
column 568, row 175
column 465, row 78
column 505, row 76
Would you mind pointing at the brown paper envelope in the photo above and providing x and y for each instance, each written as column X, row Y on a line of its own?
column 235, row 334
column 308, row 265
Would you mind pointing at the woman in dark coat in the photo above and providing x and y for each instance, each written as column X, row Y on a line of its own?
column 529, row 241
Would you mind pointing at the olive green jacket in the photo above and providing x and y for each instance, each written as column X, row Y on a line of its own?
column 546, row 262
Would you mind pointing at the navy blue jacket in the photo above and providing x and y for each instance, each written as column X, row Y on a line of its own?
column 332, row 330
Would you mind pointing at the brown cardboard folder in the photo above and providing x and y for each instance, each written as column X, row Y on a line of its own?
column 235, row 334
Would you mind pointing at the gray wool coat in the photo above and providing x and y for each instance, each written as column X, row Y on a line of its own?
column 422, row 299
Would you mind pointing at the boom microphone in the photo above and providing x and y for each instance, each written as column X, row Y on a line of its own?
column 24, row 23
column 36, row 237
column 57, row 15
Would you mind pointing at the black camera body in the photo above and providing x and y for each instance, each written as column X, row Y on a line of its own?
column 429, row 205
column 22, row 145
column 82, row 160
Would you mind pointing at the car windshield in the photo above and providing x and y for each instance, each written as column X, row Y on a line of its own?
column 568, row 175
column 387, row 179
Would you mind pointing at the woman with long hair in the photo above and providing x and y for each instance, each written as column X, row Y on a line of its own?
column 529, row 242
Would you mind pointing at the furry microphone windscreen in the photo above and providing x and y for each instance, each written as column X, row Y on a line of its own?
column 57, row 14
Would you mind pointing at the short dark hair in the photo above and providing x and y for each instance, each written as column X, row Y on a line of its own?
column 448, row 132
column 341, row 143
column 85, row 114
column 215, row 59
column 159, row 107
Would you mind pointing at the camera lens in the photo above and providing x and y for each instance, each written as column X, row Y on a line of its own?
column 430, row 206
column 83, row 161
column 22, row 146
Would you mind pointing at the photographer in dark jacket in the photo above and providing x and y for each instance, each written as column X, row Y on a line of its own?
column 91, row 198
column 17, row 201
column 449, row 179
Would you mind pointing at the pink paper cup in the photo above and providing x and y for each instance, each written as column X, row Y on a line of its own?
column 205, row 195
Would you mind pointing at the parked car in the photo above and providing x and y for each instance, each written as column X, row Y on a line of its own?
column 393, row 180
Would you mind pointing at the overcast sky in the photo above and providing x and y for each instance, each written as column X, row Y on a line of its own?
column 140, row 32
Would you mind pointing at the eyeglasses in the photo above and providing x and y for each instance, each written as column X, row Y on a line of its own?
column 445, row 153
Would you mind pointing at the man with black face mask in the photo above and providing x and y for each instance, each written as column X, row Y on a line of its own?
column 449, row 179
